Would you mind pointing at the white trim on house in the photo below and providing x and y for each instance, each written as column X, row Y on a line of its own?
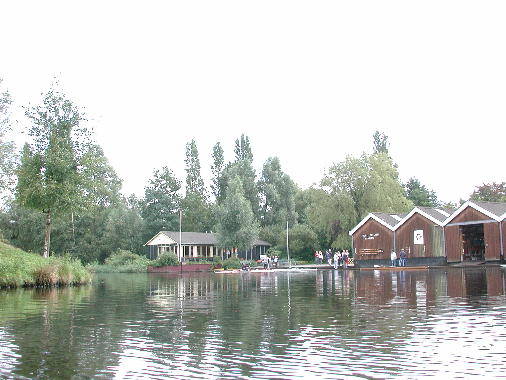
column 160, row 239
column 476, row 207
column 442, row 212
column 369, row 216
column 421, row 212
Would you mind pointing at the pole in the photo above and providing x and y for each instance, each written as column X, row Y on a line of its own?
column 180, row 235
column 287, row 248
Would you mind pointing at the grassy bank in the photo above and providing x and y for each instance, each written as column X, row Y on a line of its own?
column 19, row 268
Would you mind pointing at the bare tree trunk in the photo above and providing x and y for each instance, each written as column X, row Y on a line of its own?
column 47, row 235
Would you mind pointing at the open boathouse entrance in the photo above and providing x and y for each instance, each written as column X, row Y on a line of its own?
column 473, row 242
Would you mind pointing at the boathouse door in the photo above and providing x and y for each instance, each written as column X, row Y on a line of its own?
column 473, row 242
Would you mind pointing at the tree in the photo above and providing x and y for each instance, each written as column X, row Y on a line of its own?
column 50, row 176
column 419, row 194
column 380, row 141
column 302, row 241
column 7, row 155
column 277, row 194
column 236, row 226
column 329, row 216
column 161, row 202
column 243, row 167
column 362, row 185
column 194, row 181
column 490, row 192
column 217, row 168
column 196, row 213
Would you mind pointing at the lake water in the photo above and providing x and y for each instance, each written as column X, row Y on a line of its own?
column 446, row 323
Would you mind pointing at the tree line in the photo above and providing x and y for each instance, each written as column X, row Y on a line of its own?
column 62, row 196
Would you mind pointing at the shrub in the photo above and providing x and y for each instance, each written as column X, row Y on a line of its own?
column 167, row 258
column 232, row 263
column 122, row 257
column 46, row 275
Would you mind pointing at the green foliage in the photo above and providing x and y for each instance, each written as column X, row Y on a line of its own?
column 277, row 194
column 53, row 176
column 243, row 167
column 19, row 268
column 237, row 227
column 276, row 252
column 7, row 154
column 122, row 261
column 161, row 203
column 419, row 194
column 197, row 214
column 273, row 234
column 302, row 241
column 167, row 258
column 490, row 192
column 329, row 216
column 362, row 185
column 122, row 257
column 218, row 166
column 194, row 181
column 232, row 263
column 380, row 141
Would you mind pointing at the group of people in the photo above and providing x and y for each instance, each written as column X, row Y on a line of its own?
column 269, row 262
column 401, row 261
column 338, row 258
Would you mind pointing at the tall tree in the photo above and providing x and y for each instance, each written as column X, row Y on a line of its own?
column 50, row 176
column 194, row 181
column 161, row 202
column 365, row 184
column 243, row 167
column 277, row 195
column 237, row 227
column 419, row 194
column 195, row 207
column 380, row 141
column 217, row 168
column 7, row 155
column 490, row 192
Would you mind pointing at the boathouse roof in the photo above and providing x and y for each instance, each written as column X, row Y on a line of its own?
column 494, row 210
column 435, row 214
column 387, row 220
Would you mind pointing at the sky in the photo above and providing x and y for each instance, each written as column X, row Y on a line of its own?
column 307, row 81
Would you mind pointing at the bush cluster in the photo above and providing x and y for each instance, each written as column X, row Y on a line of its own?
column 167, row 258
column 122, row 261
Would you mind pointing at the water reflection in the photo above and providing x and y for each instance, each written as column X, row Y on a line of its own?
column 262, row 325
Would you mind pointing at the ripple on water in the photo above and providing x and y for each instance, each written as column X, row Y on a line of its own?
column 321, row 324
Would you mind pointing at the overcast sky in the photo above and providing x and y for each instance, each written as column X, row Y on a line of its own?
column 308, row 81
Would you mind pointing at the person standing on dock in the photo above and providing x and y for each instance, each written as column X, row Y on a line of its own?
column 403, row 258
column 336, row 259
column 393, row 258
column 345, row 259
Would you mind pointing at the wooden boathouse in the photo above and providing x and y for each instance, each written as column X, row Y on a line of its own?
column 373, row 238
column 476, row 232
column 421, row 234
column 197, row 246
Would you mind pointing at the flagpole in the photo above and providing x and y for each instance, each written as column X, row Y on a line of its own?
column 180, row 234
column 287, row 248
